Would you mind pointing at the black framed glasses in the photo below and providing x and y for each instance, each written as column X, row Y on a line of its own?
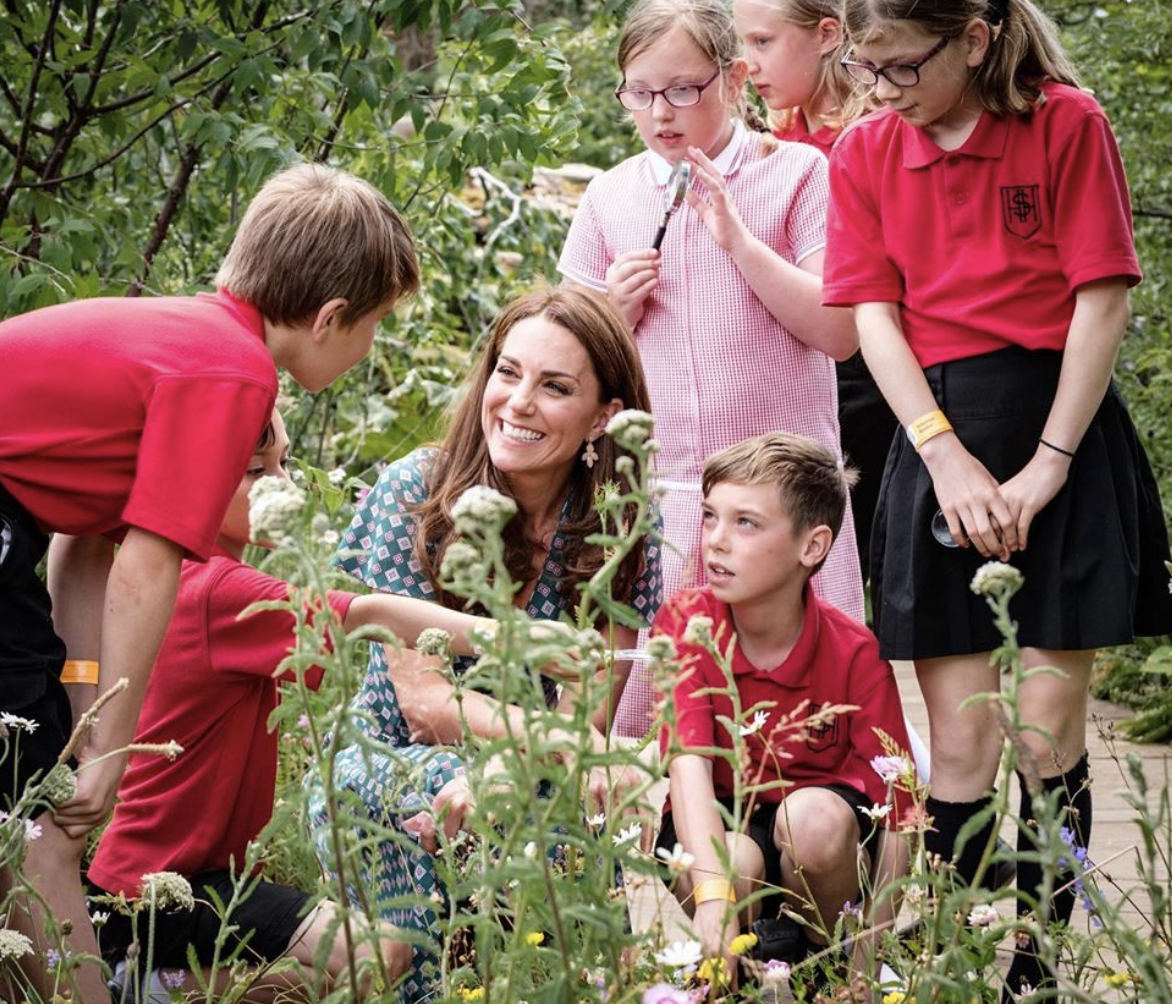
column 899, row 74
column 639, row 99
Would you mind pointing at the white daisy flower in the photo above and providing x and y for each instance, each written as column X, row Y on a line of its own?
column 680, row 955
column 756, row 724
column 678, row 860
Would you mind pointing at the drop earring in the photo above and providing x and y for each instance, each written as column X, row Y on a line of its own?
column 590, row 455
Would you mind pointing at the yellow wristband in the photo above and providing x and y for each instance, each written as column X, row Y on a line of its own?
column 926, row 427
column 714, row 889
column 79, row 671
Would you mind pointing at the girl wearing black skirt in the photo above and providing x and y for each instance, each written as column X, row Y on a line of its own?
column 980, row 226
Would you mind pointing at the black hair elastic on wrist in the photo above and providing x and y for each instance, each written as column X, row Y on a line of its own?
column 998, row 11
column 1057, row 449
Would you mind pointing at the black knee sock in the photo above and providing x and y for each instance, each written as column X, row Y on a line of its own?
column 947, row 820
column 1075, row 797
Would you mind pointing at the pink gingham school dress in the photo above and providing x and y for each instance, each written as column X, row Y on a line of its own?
column 719, row 366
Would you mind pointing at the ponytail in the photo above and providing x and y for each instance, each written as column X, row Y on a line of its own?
column 1024, row 53
column 1024, row 49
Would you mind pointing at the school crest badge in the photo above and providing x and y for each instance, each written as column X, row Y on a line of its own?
column 1020, row 210
column 821, row 735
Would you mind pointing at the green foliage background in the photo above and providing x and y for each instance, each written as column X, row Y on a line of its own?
column 132, row 133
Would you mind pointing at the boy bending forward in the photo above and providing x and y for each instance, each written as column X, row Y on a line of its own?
column 772, row 507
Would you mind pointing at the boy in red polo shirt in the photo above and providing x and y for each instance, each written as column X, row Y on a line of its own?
column 809, row 797
column 212, row 691
column 129, row 422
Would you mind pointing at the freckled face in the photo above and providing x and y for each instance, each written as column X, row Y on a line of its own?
column 749, row 547
column 542, row 401
column 668, row 131
column 785, row 59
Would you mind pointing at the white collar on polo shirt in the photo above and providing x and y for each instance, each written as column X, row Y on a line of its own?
column 724, row 161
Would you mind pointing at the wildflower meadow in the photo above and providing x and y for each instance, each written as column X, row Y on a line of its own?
column 536, row 886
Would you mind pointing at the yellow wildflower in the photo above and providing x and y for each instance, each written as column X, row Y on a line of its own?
column 1116, row 979
column 894, row 997
column 471, row 993
column 742, row 943
column 712, row 971
column 534, row 938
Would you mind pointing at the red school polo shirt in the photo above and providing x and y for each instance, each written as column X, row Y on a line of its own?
column 798, row 131
column 139, row 412
column 835, row 661
column 212, row 691
column 982, row 247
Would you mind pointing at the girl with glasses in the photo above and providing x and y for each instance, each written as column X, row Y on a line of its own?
column 980, row 226
column 727, row 314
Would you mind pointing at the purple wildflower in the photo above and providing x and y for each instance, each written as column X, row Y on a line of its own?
column 1083, row 860
column 52, row 958
column 173, row 978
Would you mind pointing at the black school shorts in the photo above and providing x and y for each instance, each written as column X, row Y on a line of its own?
column 267, row 920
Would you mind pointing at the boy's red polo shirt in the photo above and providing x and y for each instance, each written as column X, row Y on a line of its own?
column 984, row 246
column 835, row 661
column 212, row 691
column 133, row 412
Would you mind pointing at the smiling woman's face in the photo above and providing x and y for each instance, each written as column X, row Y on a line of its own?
column 541, row 402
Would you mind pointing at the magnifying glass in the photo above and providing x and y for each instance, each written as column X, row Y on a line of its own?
column 673, row 195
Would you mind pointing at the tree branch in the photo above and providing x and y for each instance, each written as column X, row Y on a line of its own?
column 182, row 177
column 34, row 81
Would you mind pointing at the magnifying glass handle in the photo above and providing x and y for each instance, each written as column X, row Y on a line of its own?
column 660, row 232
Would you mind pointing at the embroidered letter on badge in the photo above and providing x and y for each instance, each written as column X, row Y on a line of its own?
column 1020, row 210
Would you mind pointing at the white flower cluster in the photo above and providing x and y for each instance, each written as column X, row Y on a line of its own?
column 167, row 890
column 661, row 648
column 983, row 915
column 59, row 785
column 631, row 428
column 590, row 645
column 13, row 944
column 481, row 511
column 995, row 579
column 698, row 631
column 461, row 563
column 435, row 641
column 274, row 506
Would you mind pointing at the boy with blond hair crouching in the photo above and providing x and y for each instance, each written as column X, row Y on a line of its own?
column 809, row 796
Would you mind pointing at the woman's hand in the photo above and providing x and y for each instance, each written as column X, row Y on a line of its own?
column 718, row 211
column 610, row 787
column 630, row 279
column 447, row 811
column 1032, row 488
column 970, row 498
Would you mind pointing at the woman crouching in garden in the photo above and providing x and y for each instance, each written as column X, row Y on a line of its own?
column 557, row 366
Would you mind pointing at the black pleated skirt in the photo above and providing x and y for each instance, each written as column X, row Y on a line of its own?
column 1094, row 569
